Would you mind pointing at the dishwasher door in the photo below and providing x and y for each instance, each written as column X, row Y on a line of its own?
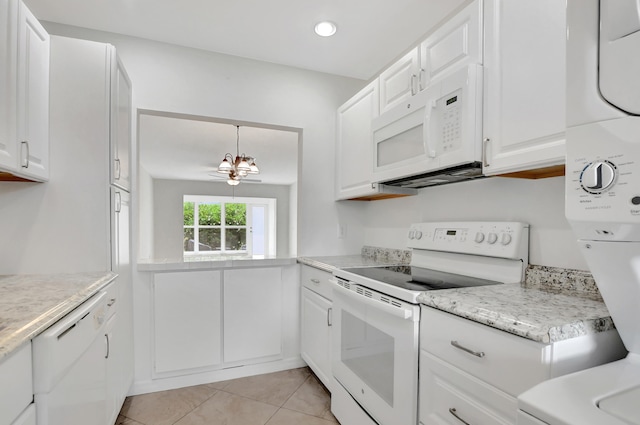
column 70, row 367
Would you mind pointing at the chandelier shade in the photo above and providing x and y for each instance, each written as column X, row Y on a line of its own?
column 239, row 167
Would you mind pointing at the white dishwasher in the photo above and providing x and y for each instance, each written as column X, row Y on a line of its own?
column 69, row 371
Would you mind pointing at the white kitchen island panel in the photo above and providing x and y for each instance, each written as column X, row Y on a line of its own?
column 187, row 320
column 252, row 314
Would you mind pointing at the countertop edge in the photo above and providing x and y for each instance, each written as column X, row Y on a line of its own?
column 46, row 319
column 179, row 265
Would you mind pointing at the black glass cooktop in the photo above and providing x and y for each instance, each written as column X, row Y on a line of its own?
column 418, row 278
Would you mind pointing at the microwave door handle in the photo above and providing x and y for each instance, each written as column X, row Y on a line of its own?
column 431, row 105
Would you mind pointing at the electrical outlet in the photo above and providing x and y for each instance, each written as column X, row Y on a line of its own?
column 342, row 230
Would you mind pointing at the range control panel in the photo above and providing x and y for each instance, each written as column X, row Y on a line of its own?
column 492, row 239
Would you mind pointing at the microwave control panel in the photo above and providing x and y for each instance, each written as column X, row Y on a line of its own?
column 450, row 109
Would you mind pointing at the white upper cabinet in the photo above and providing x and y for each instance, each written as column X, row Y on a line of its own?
column 24, row 103
column 456, row 43
column 400, row 81
column 453, row 46
column 8, row 51
column 121, row 108
column 354, row 159
column 524, row 91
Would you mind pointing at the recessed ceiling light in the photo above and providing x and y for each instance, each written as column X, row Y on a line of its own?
column 325, row 28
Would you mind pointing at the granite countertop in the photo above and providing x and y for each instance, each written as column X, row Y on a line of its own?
column 211, row 262
column 29, row 304
column 537, row 314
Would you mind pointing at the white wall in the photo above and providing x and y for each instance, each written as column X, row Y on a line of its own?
column 168, row 221
column 182, row 80
column 145, row 214
column 537, row 202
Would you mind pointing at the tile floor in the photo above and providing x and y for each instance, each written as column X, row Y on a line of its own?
column 290, row 397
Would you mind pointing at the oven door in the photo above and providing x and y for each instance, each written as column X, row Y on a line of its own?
column 375, row 352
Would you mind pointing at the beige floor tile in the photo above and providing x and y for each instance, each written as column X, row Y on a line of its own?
column 165, row 407
column 126, row 421
column 289, row 417
column 311, row 398
column 273, row 388
column 329, row 416
column 229, row 409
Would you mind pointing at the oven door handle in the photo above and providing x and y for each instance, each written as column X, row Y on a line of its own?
column 399, row 312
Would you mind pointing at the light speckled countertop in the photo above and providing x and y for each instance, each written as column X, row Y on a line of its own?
column 534, row 314
column 29, row 304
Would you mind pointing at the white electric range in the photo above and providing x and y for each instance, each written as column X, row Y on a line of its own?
column 376, row 316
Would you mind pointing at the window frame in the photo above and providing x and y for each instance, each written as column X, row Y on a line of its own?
column 270, row 224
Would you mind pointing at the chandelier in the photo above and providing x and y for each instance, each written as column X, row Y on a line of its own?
column 238, row 168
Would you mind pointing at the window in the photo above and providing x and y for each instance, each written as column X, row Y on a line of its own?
column 226, row 225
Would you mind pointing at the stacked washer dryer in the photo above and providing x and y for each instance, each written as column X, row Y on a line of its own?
column 603, row 207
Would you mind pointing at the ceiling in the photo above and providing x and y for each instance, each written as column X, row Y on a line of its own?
column 371, row 33
column 191, row 148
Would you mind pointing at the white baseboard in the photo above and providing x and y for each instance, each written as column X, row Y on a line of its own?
column 163, row 384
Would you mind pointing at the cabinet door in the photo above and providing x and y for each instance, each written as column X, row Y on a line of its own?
column 113, row 370
column 121, row 110
column 316, row 335
column 33, row 96
column 354, row 143
column 252, row 314
column 455, row 44
column 524, row 93
column 8, row 51
column 187, row 320
column 121, row 264
column 400, row 81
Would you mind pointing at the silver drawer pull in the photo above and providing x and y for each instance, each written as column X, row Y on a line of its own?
column 453, row 411
column 316, row 281
column 467, row 350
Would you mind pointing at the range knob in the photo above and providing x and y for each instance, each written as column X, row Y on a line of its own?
column 598, row 176
column 479, row 237
column 505, row 239
column 492, row 238
column 418, row 234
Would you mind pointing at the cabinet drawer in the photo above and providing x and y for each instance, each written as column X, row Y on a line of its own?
column 316, row 280
column 446, row 391
column 508, row 362
column 14, row 398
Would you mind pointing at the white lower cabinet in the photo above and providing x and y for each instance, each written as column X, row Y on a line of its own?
column 187, row 320
column 316, row 322
column 15, row 398
column 252, row 315
column 217, row 319
column 472, row 373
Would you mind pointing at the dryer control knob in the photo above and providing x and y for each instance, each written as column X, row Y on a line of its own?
column 505, row 239
column 479, row 237
column 598, row 176
column 492, row 238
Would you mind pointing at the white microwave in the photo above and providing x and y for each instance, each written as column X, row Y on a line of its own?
column 435, row 136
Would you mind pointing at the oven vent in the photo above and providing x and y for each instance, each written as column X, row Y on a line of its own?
column 368, row 294
column 390, row 301
column 360, row 290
